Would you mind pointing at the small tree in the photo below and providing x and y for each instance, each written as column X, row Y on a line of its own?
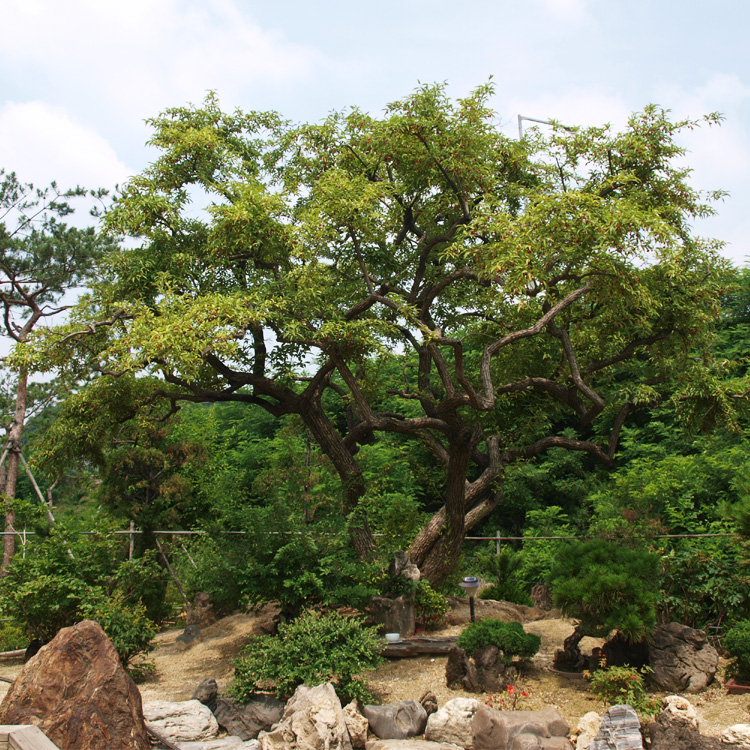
column 606, row 587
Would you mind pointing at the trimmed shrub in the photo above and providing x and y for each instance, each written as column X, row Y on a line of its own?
column 509, row 637
column 313, row 649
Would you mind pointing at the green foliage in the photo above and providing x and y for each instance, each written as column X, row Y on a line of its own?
column 12, row 637
column 616, row 685
column 313, row 649
column 509, row 637
column 430, row 606
column 737, row 643
column 125, row 623
column 607, row 587
column 502, row 569
column 538, row 556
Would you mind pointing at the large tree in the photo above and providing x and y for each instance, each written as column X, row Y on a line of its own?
column 528, row 294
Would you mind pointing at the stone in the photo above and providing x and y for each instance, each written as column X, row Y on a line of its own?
column 356, row 724
column 396, row 721
column 429, row 702
column 409, row 745
column 678, row 710
column 207, row 692
column 222, row 743
column 738, row 734
column 267, row 618
column 518, row 730
column 461, row 672
column 392, row 615
column 452, row 724
column 402, row 566
column 588, row 728
column 201, row 612
column 620, row 729
column 459, row 613
column 682, row 659
column 248, row 718
column 188, row 638
column 181, row 721
column 490, row 667
column 541, row 596
column 76, row 691
column 312, row 720
column 680, row 737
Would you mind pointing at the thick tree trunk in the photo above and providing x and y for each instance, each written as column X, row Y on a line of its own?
column 11, row 464
column 350, row 473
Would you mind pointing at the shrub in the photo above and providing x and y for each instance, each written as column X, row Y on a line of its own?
column 313, row 649
column 431, row 606
column 12, row 637
column 509, row 637
column 503, row 569
column 737, row 642
column 615, row 685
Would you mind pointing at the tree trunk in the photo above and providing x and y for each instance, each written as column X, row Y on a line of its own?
column 12, row 464
column 571, row 658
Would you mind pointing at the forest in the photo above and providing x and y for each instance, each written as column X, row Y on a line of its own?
column 314, row 346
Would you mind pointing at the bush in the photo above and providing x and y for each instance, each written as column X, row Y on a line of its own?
column 503, row 569
column 616, row 685
column 430, row 605
column 737, row 642
column 313, row 649
column 509, row 637
column 12, row 637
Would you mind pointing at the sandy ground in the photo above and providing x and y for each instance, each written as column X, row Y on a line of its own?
column 179, row 672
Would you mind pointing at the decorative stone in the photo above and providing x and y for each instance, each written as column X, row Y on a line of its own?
column 461, row 672
column 409, row 745
column 452, row 723
column 519, row 730
column 588, row 728
column 681, row 737
column 181, row 721
column 392, row 615
column 678, row 710
column 76, row 691
column 201, row 612
column 247, row 719
column 223, row 743
column 207, row 692
column 429, row 702
column 738, row 734
column 312, row 720
column 188, row 638
column 396, row 721
column 356, row 724
column 620, row 729
column 682, row 659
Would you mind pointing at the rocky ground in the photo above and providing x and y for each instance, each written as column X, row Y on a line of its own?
column 179, row 671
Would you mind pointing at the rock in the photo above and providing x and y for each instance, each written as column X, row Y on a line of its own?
column 620, row 729
column 459, row 612
column 356, row 724
column 223, row 743
column 188, row 638
column 429, row 702
column 490, row 666
column 678, row 711
column 409, row 745
column 396, row 721
column 738, row 734
column 519, row 730
column 267, row 618
column 181, row 721
column 461, row 672
column 680, row 737
column 76, row 691
column 452, row 724
column 682, row 659
column 392, row 615
column 541, row 596
column 588, row 728
column 401, row 565
column 312, row 720
column 207, row 692
column 247, row 719
column 201, row 612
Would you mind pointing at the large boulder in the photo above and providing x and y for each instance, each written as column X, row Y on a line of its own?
column 452, row 724
column 207, row 693
column 76, row 691
column 181, row 721
column 312, row 720
column 682, row 659
column 248, row 719
column 392, row 615
column 460, row 613
column 396, row 721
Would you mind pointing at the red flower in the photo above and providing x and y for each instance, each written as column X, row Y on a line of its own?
column 511, row 689
column 524, row 694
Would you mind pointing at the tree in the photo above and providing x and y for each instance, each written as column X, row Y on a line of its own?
column 41, row 258
column 418, row 274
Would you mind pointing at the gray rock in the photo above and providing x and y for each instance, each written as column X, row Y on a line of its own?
column 247, row 719
column 207, row 692
column 452, row 724
column 519, row 730
column 681, row 737
column 461, row 672
column 182, row 721
column 189, row 637
column 682, row 659
column 392, row 615
column 409, row 745
column 396, row 721
column 620, row 730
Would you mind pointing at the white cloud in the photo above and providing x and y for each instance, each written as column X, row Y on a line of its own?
column 42, row 143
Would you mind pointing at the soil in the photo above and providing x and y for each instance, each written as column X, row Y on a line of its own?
column 178, row 672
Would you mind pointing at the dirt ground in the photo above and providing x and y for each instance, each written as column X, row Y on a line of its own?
column 178, row 672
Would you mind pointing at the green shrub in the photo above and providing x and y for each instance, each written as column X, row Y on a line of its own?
column 12, row 637
column 502, row 569
column 430, row 606
column 509, row 637
column 616, row 685
column 737, row 642
column 313, row 649
column 126, row 625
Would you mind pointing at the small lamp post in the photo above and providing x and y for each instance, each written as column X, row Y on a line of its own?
column 470, row 584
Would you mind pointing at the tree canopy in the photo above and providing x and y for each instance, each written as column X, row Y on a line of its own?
column 418, row 274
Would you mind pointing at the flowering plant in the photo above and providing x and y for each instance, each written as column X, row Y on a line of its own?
column 509, row 700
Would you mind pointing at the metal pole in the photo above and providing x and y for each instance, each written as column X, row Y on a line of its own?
column 471, row 608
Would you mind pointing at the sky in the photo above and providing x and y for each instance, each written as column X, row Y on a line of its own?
column 80, row 78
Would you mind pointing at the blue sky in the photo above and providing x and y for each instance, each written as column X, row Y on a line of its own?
column 80, row 77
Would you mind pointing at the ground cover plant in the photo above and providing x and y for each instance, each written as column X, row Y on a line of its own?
column 509, row 637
